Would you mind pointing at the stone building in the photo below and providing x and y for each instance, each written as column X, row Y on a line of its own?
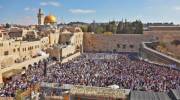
column 13, row 51
column 70, row 42
column 19, row 46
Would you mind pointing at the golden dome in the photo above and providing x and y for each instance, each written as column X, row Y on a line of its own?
column 50, row 19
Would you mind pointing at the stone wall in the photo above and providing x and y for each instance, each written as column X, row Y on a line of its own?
column 70, row 57
column 157, row 57
column 164, row 28
column 71, row 38
column 70, row 49
column 167, row 37
column 53, row 38
column 113, row 43
column 54, row 52
column 65, row 38
column 164, row 35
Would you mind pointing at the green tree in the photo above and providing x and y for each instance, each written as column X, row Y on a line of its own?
column 84, row 28
column 162, row 44
column 138, row 27
column 99, row 30
column 111, row 27
column 7, row 25
column 90, row 28
column 119, row 28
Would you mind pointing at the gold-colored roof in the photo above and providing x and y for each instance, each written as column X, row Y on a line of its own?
column 50, row 19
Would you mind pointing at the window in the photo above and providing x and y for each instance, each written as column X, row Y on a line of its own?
column 131, row 46
column 18, row 49
column 1, row 44
column 124, row 46
column 118, row 45
column 114, row 50
column 14, row 50
column 6, row 53
column 24, row 49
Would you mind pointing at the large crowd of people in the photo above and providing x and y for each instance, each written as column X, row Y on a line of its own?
column 101, row 70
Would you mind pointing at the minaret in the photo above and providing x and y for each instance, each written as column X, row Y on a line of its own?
column 62, row 21
column 40, row 16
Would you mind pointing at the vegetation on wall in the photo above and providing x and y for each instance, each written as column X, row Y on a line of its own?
column 175, row 42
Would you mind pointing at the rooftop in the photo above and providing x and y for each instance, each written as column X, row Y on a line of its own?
column 97, row 91
column 143, row 95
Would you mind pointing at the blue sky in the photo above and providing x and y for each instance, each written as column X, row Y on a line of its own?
column 25, row 11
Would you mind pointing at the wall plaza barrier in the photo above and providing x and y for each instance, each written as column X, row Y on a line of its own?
column 158, row 57
column 70, row 57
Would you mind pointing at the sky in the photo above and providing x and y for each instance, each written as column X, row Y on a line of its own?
column 25, row 11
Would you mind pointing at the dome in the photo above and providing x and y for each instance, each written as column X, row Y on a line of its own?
column 50, row 19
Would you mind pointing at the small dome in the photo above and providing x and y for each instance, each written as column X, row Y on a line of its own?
column 50, row 19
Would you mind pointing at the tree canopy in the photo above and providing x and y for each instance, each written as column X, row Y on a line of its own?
column 121, row 27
